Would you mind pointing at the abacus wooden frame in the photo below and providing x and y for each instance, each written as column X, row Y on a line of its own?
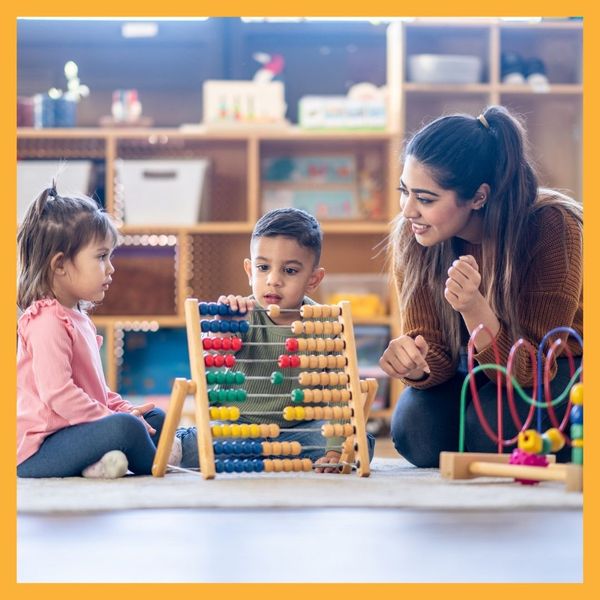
column 355, row 445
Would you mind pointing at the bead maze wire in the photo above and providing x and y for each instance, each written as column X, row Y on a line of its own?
column 512, row 384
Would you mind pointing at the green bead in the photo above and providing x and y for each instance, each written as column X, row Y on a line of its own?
column 221, row 377
column 577, row 456
column 546, row 446
column 211, row 377
column 297, row 396
column 577, row 431
column 213, row 396
column 241, row 395
column 276, row 377
column 229, row 377
column 239, row 378
column 231, row 395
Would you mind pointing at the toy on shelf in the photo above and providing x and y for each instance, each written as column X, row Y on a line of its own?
column 330, row 389
column 272, row 66
column 532, row 461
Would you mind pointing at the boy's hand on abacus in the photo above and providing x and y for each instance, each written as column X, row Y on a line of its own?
column 140, row 411
column 242, row 304
column 331, row 457
column 405, row 357
column 462, row 285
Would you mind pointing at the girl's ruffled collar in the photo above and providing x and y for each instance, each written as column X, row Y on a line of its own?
column 39, row 306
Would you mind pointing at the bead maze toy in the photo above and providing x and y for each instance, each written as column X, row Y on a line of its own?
column 531, row 462
column 330, row 389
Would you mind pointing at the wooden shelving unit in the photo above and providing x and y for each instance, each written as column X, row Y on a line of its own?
column 208, row 255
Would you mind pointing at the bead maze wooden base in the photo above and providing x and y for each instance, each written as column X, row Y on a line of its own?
column 468, row 465
column 352, row 403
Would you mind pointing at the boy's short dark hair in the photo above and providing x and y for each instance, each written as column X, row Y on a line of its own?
column 294, row 223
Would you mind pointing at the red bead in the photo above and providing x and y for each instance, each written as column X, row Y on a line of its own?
column 236, row 343
column 225, row 343
column 209, row 360
column 217, row 343
column 207, row 343
column 219, row 360
column 229, row 360
column 291, row 345
column 283, row 361
column 294, row 361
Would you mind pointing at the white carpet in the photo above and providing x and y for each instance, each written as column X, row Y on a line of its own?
column 393, row 483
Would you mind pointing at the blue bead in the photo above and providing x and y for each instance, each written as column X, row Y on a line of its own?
column 223, row 309
column 576, row 414
column 203, row 308
column 238, row 465
column 213, row 308
column 259, row 466
column 248, row 466
column 228, row 465
column 218, row 447
column 244, row 326
column 219, row 466
column 204, row 325
column 234, row 326
column 224, row 326
column 214, row 326
column 257, row 448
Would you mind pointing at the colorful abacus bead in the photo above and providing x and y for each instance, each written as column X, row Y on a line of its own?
column 277, row 378
column 288, row 361
column 220, row 396
column 291, row 344
column 224, row 413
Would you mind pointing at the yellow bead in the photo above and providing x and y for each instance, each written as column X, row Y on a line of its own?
column 234, row 413
column 214, row 412
column 226, row 429
column 223, row 413
column 530, row 441
column 557, row 439
column 577, row 394
column 217, row 431
column 245, row 430
column 288, row 413
column 254, row 430
column 235, row 430
column 299, row 413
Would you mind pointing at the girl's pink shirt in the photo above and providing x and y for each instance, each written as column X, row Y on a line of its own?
column 60, row 381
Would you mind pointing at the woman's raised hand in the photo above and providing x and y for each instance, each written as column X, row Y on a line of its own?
column 405, row 357
column 462, row 285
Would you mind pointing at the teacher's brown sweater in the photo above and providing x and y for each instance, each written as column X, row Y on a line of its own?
column 552, row 297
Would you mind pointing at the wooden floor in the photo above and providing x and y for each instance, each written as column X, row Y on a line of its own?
column 199, row 545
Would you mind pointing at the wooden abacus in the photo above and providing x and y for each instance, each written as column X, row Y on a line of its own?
column 532, row 461
column 351, row 397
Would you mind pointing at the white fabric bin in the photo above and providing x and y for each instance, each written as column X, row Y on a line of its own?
column 163, row 192
column 34, row 176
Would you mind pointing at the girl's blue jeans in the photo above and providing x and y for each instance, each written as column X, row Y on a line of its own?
column 69, row 451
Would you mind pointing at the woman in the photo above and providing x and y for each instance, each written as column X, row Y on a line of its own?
column 477, row 241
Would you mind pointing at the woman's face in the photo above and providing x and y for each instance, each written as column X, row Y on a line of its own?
column 435, row 214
